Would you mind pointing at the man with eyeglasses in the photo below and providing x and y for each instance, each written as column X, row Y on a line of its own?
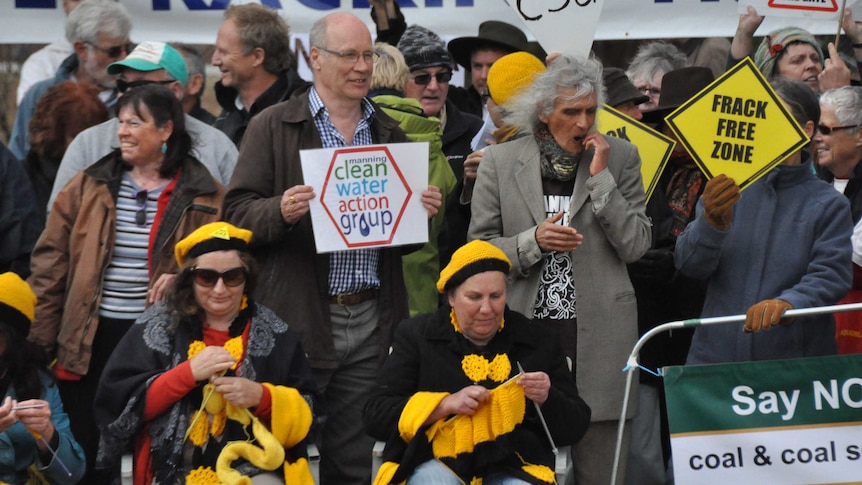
column 344, row 305
column 430, row 66
column 837, row 148
column 252, row 51
column 99, row 32
column 148, row 63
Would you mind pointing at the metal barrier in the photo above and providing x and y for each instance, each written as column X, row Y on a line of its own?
column 632, row 363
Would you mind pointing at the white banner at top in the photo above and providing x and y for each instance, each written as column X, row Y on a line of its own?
column 197, row 21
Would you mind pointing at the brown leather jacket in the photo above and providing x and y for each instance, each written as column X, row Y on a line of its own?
column 69, row 260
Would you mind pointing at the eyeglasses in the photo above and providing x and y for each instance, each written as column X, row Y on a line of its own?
column 352, row 57
column 827, row 130
column 209, row 277
column 425, row 78
column 650, row 91
column 123, row 86
column 115, row 51
column 141, row 214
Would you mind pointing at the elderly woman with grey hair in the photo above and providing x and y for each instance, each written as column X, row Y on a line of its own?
column 652, row 61
column 566, row 205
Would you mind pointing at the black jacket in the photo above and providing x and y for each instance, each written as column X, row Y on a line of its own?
column 233, row 122
column 19, row 216
column 853, row 191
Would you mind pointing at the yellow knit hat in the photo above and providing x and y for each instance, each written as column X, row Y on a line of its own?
column 17, row 303
column 512, row 74
column 472, row 258
column 215, row 236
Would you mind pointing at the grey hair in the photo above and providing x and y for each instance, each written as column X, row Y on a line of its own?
column 195, row 63
column 565, row 72
column 93, row 17
column 653, row 58
column 317, row 35
column 846, row 102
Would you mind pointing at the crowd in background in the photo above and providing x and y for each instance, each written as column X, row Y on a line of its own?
column 175, row 299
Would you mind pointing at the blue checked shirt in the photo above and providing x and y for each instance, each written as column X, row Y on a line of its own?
column 356, row 270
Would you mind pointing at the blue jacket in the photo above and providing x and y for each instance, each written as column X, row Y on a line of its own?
column 789, row 240
column 18, row 448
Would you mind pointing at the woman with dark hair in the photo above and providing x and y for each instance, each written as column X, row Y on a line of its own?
column 34, row 431
column 202, row 372
column 105, row 254
column 64, row 111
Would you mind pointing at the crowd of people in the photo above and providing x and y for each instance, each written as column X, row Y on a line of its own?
column 162, row 296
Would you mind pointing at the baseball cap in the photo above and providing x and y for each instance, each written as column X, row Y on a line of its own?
column 152, row 56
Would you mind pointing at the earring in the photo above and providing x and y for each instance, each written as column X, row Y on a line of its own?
column 164, row 147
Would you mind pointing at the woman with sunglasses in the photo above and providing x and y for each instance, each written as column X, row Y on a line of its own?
column 105, row 254
column 205, row 367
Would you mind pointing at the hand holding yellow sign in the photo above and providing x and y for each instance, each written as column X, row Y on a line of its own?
column 737, row 126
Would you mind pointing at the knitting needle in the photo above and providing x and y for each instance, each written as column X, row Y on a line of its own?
column 28, row 406
column 54, row 453
column 541, row 417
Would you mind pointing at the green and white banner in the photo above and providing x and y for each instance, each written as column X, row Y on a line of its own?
column 795, row 421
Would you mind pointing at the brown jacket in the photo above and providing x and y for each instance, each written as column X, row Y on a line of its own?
column 69, row 260
column 294, row 279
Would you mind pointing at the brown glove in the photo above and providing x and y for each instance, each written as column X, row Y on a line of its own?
column 765, row 314
column 719, row 196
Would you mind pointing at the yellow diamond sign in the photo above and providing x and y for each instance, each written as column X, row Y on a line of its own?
column 653, row 147
column 737, row 126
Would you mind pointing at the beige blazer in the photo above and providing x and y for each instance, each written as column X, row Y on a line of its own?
column 508, row 205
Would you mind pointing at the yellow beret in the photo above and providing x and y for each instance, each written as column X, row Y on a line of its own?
column 215, row 236
column 17, row 303
column 511, row 74
column 472, row 258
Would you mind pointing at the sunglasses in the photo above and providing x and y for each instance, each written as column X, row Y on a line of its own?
column 115, row 51
column 209, row 277
column 123, row 86
column 425, row 78
column 141, row 214
column 827, row 130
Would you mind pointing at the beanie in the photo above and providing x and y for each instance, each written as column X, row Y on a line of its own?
column 215, row 236
column 17, row 303
column 511, row 74
column 422, row 48
column 475, row 257
column 776, row 42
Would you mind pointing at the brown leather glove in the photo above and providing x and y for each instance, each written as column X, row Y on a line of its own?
column 765, row 314
column 719, row 196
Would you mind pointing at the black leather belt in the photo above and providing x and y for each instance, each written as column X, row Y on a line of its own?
column 348, row 299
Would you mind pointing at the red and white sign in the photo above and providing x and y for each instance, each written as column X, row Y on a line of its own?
column 367, row 196
column 808, row 9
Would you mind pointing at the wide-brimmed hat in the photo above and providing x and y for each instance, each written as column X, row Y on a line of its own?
column 677, row 87
column 491, row 32
column 620, row 89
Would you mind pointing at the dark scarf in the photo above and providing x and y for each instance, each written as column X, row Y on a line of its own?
column 557, row 163
column 683, row 190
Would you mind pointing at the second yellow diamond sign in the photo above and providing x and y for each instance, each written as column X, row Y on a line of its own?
column 737, row 126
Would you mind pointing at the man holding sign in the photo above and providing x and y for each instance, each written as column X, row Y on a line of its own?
column 344, row 305
column 783, row 244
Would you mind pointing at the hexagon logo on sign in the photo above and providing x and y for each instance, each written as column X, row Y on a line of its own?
column 365, row 194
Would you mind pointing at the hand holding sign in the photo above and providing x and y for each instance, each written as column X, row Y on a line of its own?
column 432, row 199
column 294, row 203
column 719, row 196
column 852, row 29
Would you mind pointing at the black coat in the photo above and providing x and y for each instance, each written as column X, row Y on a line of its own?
column 19, row 216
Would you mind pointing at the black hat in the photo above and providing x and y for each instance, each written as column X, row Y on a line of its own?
column 620, row 90
column 491, row 32
column 422, row 48
column 677, row 87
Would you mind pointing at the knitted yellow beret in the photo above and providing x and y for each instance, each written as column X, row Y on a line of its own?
column 215, row 236
column 472, row 258
column 17, row 303
column 512, row 74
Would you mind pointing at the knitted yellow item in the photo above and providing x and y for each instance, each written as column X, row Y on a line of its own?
column 218, row 423
column 476, row 481
column 503, row 411
column 268, row 456
column 215, row 403
column 541, row 472
column 291, row 415
column 385, row 473
column 195, row 347
column 15, row 293
column 199, row 428
column 513, row 74
column 234, row 348
column 214, row 231
column 475, row 254
column 298, row 473
column 202, row 476
column 478, row 369
column 416, row 411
